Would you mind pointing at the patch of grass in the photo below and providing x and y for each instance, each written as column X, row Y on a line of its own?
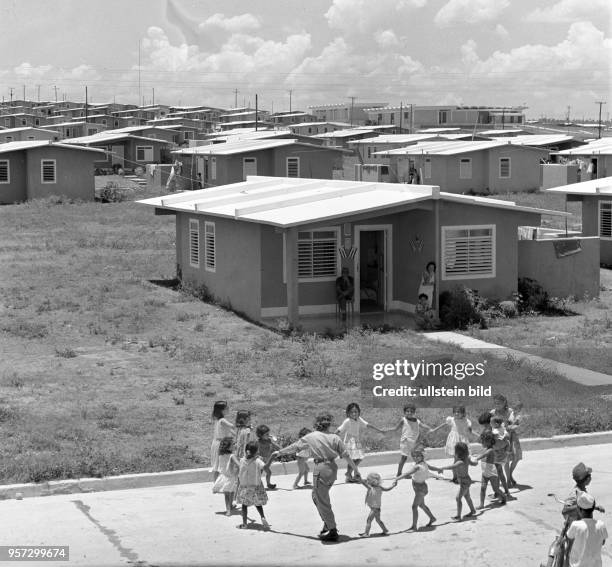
column 65, row 353
column 25, row 329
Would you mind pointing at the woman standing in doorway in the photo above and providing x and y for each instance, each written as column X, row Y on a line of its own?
column 428, row 283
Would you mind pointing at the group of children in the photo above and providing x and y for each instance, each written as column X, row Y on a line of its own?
column 238, row 461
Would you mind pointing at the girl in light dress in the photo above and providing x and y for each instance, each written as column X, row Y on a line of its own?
column 221, row 428
column 350, row 431
column 227, row 481
column 301, row 458
column 243, row 431
column 251, row 491
column 489, row 471
column 512, row 419
column 412, row 428
column 460, row 432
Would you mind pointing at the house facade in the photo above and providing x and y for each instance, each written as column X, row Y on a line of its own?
column 273, row 247
column 39, row 169
column 27, row 134
column 594, row 159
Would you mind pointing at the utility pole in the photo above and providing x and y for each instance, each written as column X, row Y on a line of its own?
column 352, row 106
column 235, row 98
column 400, row 120
column 11, row 89
column 256, row 113
column 139, row 87
column 55, row 89
column 38, row 88
column 86, row 113
column 24, row 93
column 600, row 103
column 290, row 91
column 153, row 100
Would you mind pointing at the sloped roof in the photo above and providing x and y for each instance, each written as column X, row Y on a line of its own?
column 601, row 186
column 29, row 144
column 286, row 202
column 536, row 139
column 242, row 146
column 395, row 139
column 449, row 148
column 346, row 133
column 602, row 146
column 103, row 137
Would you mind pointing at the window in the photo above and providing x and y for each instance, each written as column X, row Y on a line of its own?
column 293, row 167
column 468, row 252
column 7, row 122
column 504, row 168
column 249, row 166
column 24, row 122
column 213, row 168
column 406, row 115
column 442, row 117
column 465, row 168
column 605, row 219
column 427, row 169
column 144, row 153
column 317, row 254
column 5, row 171
column 104, row 121
column 392, row 118
column 116, row 123
column 47, row 171
column 194, row 243
column 9, row 138
column 37, row 122
column 210, row 257
column 91, row 131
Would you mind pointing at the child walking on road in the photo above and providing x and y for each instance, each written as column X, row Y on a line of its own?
column 302, row 462
column 411, row 427
column 243, row 431
column 221, row 428
column 227, row 481
column 461, row 465
column 373, row 500
column 489, row 472
column 419, row 473
column 251, row 491
column 267, row 446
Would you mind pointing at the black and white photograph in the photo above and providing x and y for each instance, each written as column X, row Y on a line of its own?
column 289, row 282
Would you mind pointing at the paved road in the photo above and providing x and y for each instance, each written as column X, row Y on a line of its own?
column 184, row 524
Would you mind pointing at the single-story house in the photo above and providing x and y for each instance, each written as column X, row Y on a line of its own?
column 313, row 128
column 458, row 166
column 221, row 164
column 27, row 134
column 273, row 246
column 38, row 168
column 342, row 138
column 74, row 129
column 596, row 198
column 550, row 142
column 126, row 150
column 594, row 158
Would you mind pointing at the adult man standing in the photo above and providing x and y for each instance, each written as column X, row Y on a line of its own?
column 324, row 447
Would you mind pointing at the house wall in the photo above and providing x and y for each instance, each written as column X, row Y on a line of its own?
column 314, row 163
column 74, row 173
column 590, row 225
column 237, row 279
column 525, row 171
column 15, row 191
column 576, row 274
column 556, row 175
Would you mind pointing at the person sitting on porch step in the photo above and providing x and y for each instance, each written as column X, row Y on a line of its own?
column 345, row 289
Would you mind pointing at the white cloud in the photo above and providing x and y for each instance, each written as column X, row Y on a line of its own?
column 235, row 24
column 567, row 11
column 501, row 31
column 386, row 39
column 469, row 11
column 26, row 70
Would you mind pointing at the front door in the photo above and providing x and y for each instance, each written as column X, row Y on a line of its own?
column 118, row 155
column 372, row 268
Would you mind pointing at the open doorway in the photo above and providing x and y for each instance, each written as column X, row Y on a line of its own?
column 372, row 270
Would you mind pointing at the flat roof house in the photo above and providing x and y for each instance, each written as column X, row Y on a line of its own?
column 38, row 169
column 231, row 162
column 273, row 247
column 596, row 158
column 26, row 134
column 493, row 166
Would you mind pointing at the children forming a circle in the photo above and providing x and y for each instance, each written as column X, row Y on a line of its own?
column 238, row 460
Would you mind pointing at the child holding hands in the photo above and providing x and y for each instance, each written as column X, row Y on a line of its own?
column 462, row 465
column 302, row 461
column 373, row 500
column 411, row 427
column 251, row 491
column 419, row 473
column 227, row 480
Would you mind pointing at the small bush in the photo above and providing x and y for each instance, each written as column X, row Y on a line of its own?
column 111, row 193
column 458, row 309
column 65, row 353
column 532, row 296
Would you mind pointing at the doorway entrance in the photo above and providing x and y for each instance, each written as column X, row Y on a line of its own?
column 372, row 268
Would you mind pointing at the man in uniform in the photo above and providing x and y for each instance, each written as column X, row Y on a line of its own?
column 324, row 447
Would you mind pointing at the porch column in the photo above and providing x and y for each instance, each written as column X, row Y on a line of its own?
column 291, row 267
column 437, row 253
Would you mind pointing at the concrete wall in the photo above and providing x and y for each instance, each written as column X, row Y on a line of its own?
column 556, row 175
column 74, row 173
column 237, row 279
column 16, row 190
column 576, row 274
column 314, row 163
column 590, row 225
column 524, row 169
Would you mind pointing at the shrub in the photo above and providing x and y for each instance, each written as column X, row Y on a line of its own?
column 532, row 296
column 111, row 193
column 458, row 309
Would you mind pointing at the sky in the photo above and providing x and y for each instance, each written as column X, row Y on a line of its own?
column 552, row 56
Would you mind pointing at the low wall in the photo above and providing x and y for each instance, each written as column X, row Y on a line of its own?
column 561, row 276
column 557, row 175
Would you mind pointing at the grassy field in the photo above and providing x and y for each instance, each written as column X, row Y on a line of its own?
column 104, row 372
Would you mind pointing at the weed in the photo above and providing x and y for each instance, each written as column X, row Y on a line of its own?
column 179, row 400
column 26, row 330
column 65, row 352
column 183, row 316
column 198, row 328
column 13, row 379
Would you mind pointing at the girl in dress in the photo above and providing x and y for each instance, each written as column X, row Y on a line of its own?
column 511, row 420
column 267, row 445
column 243, row 431
column 462, row 465
column 460, row 432
column 302, row 461
column 350, row 431
column 251, row 491
column 428, row 281
column 221, row 428
column 489, row 472
column 227, row 481
column 419, row 473
column 411, row 427
column 373, row 501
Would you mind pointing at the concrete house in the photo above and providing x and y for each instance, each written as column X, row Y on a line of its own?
column 272, row 247
column 594, row 159
column 470, row 166
column 38, row 169
column 313, row 128
column 231, row 162
column 26, row 134
column 596, row 198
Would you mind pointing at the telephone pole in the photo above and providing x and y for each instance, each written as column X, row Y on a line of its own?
column 290, row 91
column 600, row 103
column 352, row 106
column 235, row 98
column 55, row 89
